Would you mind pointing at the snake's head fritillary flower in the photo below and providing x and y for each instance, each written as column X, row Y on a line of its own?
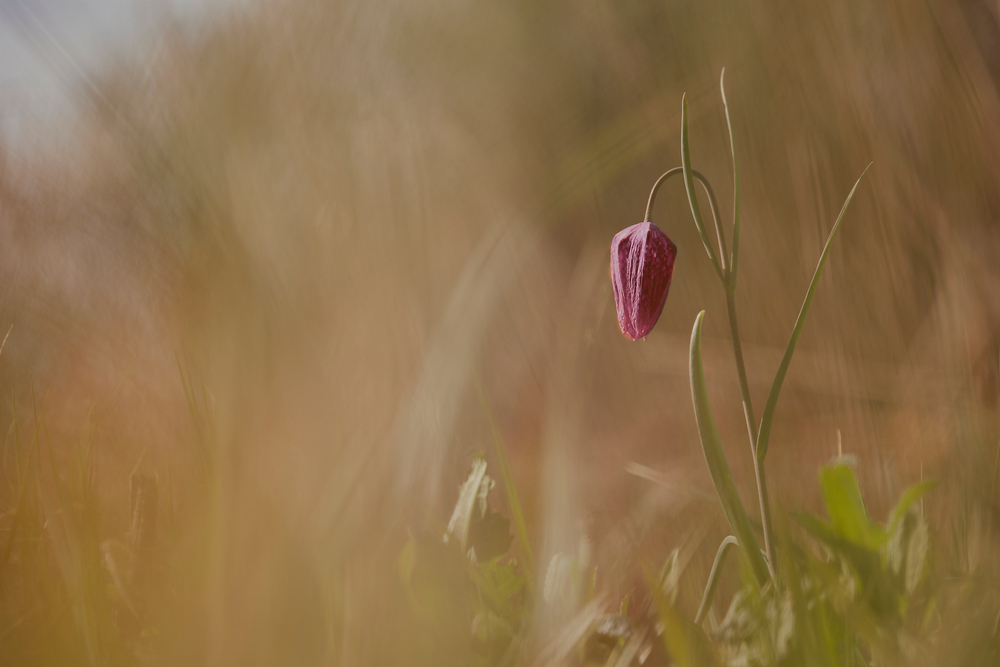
column 642, row 263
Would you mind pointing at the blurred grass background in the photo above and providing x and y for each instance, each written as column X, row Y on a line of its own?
column 268, row 264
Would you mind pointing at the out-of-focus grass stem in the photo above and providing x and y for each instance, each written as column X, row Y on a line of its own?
column 510, row 490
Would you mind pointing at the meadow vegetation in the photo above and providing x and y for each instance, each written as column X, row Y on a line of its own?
column 314, row 357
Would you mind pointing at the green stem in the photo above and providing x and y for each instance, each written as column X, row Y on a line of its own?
column 728, row 278
column 716, row 459
column 729, row 285
column 656, row 186
column 736, row 184
column 758, row 466
column 692, row 195
column 707, row 187
column 734, row 330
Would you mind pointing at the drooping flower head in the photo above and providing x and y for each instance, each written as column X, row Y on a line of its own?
column 642, row 263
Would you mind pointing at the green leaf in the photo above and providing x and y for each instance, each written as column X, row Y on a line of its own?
column 713, row 579
column 844, row 504
column 489, row 587
column 504, row 577
column 492, row 629
column 689, row 186
column 734, row 258
column 717, row 464
column 916, row 556
column 772, row 400
column 846, row 508
column 910, row 496
column 819, row 529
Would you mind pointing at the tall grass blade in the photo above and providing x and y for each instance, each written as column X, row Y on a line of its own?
column 734, row 258
column 767, row 418
column 717, row 464
column 689, row 186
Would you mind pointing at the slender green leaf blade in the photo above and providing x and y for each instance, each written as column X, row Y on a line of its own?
column 689, row 187
column 717, row 464
column 734, row 258
column 772, row 400
column 713, row 579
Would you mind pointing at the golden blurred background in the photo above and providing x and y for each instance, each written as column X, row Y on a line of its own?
column 292, row 261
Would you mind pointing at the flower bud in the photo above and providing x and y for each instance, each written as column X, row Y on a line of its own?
column 642, row 263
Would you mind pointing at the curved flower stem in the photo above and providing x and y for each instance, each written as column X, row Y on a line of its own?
column 656, row 186
column 723, row 269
